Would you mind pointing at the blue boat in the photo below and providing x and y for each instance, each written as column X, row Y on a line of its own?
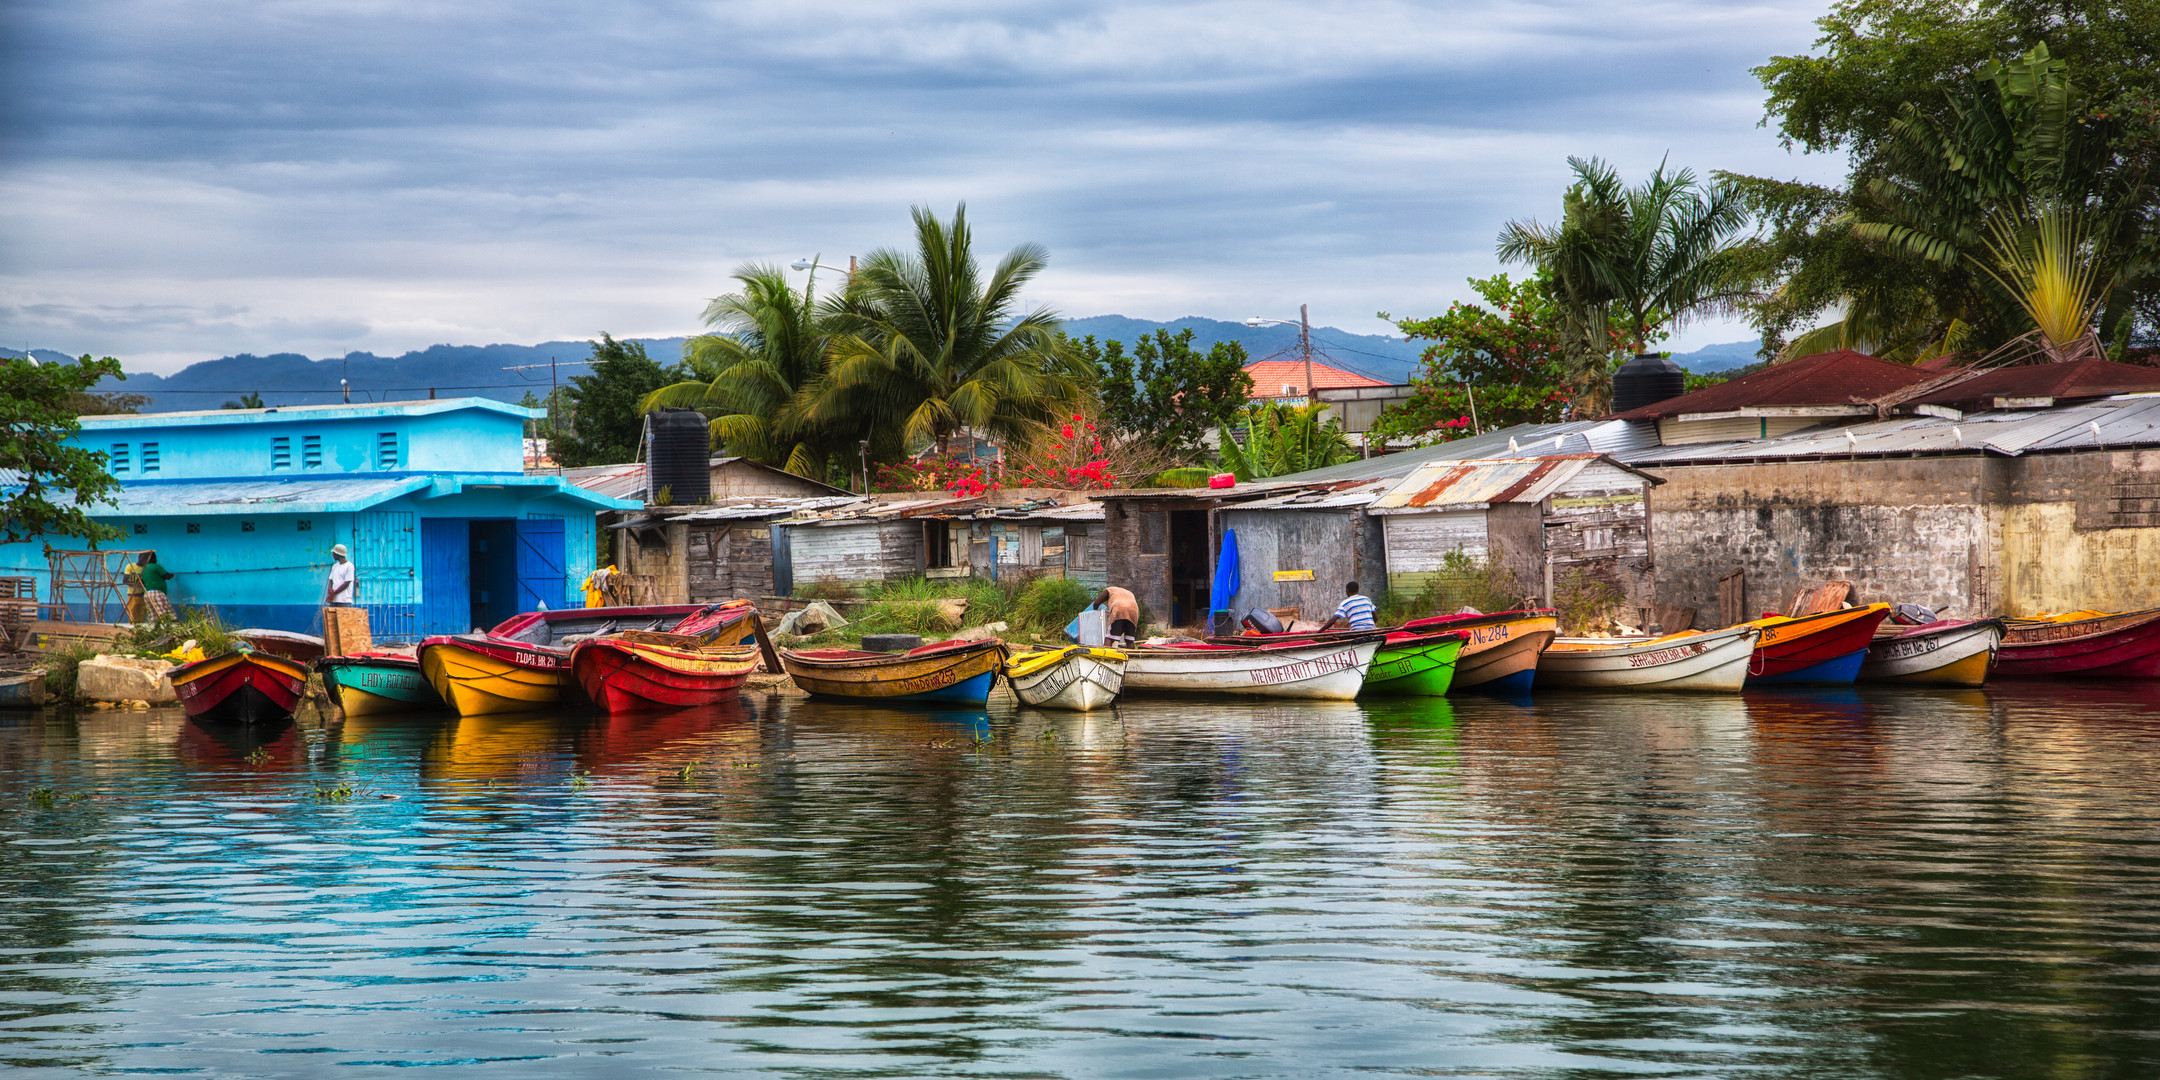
column 1838, row 670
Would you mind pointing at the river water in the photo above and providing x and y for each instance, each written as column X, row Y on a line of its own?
column 1843, row 884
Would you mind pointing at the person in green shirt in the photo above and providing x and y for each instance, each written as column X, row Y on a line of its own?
column 154, row 577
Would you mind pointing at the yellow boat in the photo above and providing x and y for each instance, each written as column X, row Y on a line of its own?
column 477, row 675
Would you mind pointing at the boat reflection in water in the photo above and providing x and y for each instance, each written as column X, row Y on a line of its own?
column 277, row 746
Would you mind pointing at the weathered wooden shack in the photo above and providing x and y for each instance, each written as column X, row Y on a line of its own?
column 1541, row 518
column 711, row 553
column 864, row 542
column 1297, row 548
column 1162, row 542
column 1042, row 538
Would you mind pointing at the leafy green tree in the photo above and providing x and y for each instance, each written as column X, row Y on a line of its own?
column 609, row 422
column 253, row 400
column 1490, row 365
column 1168, row 392
column 60, row 481
column 772, row 343
column 925, row 346
column 1912, row 252
column 1275, row 439
column 1627, row 262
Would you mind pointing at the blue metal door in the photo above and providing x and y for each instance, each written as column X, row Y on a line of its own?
column 540, row 564
column 445, row 575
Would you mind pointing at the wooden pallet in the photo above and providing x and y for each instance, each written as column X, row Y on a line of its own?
column 47, row 635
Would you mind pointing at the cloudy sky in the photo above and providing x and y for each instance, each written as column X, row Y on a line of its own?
column 181, row 179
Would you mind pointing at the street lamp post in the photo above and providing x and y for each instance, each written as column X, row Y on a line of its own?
column 1304, row 325
column 811, row 264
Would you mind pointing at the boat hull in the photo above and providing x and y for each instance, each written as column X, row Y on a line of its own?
column 1506, row 665
column 2125, row 646
column 240, row 688
column 634, row 673
column 1958, row 654
column 1082, row 681
column 1421, row 667
column 477, row 675
column 1323, row 671
column 934, row 674
column 1813, row 648
column 22, row 691
column 1714, row 662
column 1836, row 671
column 372, row 685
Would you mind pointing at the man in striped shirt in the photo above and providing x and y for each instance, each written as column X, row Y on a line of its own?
column 1356, row 610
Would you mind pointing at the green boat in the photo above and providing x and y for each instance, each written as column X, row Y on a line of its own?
column 367, row 684
column 1416, row 665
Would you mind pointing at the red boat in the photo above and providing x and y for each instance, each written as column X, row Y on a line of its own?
column 240, row 688
column 2121, row 646
column 641, row 671
column 1827, row 647
column 524, row 662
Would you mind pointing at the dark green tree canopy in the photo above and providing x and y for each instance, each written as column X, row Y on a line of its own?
column 1166, row 391
column 58, row 480
column 609, row 422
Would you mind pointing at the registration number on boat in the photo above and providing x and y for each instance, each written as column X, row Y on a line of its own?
column 1306, row 669
column 1916, row 647
column 1664, row 656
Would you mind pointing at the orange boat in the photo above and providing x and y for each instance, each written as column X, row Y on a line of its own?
column 1824, row 648
column 641, row 670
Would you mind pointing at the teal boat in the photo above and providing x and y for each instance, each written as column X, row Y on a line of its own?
column 1414, row 665
column 369, row 684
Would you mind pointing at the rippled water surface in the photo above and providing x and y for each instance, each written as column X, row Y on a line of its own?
column 1837, row 885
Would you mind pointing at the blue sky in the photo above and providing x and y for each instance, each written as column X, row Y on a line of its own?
column 179, row 181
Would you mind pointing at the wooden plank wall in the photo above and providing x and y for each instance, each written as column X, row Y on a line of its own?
column 1599, row 523
column 1336, row 545
column 729, row 559
column 1416, row 543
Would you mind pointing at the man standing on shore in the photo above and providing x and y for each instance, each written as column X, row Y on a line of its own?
column 338, row 591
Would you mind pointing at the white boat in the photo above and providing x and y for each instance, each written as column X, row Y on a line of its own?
column 1077, row 678
column 1710, row 660
column 1327, row 671
column 1948, row 653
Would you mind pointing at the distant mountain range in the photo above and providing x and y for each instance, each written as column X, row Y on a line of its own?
column 486, row 370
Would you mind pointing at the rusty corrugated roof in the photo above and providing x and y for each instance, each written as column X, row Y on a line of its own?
column 1473, row 483
column 1844, row 377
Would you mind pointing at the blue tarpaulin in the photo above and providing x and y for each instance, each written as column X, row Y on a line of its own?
column 1226, row 573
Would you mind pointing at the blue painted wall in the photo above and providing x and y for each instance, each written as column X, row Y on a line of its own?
column 264, row 566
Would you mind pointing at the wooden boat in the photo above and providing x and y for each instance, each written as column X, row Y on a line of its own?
column 1500, row 651
column 523, row 662
column 960, row 672
column 22, row 691
column 305, row 648
column 1076, row 677
column 1410, row 664
column 1812, row 649
column 1327, row 670
column 1711, row 660
column 244, row 687
column 2120, row 646
column 375, row 683
column 1956, row 652
column 643, row 670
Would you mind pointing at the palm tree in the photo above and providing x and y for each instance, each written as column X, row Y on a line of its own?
column 1627, row 262
column 772, row 343
column 926, row 347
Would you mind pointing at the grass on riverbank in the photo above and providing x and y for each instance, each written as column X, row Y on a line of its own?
column 1030, row 610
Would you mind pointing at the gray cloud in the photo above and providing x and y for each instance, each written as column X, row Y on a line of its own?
column 181, row 181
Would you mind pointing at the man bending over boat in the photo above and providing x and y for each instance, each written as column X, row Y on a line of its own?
column 1355, row 612
column 1122, row 611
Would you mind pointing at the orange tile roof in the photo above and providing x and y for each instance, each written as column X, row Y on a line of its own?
column 1269, row 377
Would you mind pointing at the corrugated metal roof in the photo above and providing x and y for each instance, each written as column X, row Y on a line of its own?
column 2073, row 380
column 324, row 496
column 614, row 481
column 1531, row 440
column 2124, row 421
column 754, row 507
column 1833, row 378
column 1481, row 483
column 1336, row 497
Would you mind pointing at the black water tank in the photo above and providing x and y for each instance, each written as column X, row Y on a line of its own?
column 680, row 456
column 1646, row 380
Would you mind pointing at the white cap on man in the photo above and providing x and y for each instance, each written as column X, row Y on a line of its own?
column 339, row 551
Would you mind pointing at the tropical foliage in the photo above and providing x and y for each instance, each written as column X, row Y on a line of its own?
column 1167, row 391
column 1493, row 364
column 1963, row 167
column 1277, row 439
column 1626, row 263
column 770, row 344
column 607, row 404
column 60, row 481
column 925, row 346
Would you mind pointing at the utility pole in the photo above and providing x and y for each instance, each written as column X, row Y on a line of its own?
column 1304, row 334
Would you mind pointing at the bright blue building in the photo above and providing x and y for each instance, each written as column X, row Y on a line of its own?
column 446, row 529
